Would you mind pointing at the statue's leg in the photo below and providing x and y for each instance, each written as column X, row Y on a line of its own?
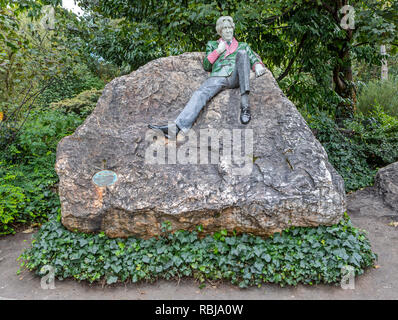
column 241, row 75
column 206, row 91
column 241, row 78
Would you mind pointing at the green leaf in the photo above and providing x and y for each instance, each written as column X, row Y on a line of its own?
column 111, row 279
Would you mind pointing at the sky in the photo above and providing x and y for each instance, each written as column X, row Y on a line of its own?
column 70, row 4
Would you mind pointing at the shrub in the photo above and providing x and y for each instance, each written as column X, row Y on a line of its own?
column 297, row 255
column 69, row 85
column 382, row 93
column 346, row 156
column 83, row 104
column 27, row 174
column 377, row 135
column 308, row 94
column 12, row 200
column 358, row 150
column 41, row 133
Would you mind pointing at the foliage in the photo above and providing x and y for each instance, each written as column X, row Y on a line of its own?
column 12, row 200
column 26, row 195
column 366, row 72
column 27, row 175
column 393, row 65
column 104, row 70
column 42, row 60
column 129, row 33
column 377, row 135
column 308, row 95
column 293, row 37
column 41, row 135
column 30, row 55
column 359, row 149
column 345, row 156
column 383, row 93
column 82, row 104
column 296, row 255
column 79, row 79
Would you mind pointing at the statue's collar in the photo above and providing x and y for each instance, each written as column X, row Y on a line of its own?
column 231, row 48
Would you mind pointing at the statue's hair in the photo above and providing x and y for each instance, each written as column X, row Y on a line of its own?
column 221, row 21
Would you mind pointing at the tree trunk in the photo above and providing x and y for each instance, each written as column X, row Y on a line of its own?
column 342, row 78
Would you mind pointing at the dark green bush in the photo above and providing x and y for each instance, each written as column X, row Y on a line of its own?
column 297, row 255
column 69, row 85
column 27, row 175
column 41, row 133
column 83, row 104
column 307, row 94
column 358, row 150
column 377, row 135
column 346, row 156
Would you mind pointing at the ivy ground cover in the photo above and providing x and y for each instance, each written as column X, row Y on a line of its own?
column 296, row 255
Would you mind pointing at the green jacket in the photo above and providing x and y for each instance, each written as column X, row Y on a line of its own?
column 225, row 63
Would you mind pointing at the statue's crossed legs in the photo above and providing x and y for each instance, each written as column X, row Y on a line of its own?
column 213, row 85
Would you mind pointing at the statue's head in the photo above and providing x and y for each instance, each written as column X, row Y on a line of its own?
column 225, row 27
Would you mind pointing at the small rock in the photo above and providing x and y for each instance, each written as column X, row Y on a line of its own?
column 386, row 182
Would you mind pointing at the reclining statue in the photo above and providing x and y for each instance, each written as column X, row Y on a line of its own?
column 229, row 62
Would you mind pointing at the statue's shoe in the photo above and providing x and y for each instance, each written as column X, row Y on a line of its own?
column 245, row 115
column 169, row 133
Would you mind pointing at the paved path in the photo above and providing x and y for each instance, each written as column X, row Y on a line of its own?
column 366, row 210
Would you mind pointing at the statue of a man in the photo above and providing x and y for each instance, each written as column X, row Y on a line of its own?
column 230, row 62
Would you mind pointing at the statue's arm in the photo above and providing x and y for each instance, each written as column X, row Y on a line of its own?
column 254, row 58
column 210, row 55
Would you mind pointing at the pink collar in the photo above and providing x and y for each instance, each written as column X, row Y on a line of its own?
column 230, row 48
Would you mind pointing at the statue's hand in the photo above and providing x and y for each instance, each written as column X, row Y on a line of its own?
column 221, row 47
column 259, row 69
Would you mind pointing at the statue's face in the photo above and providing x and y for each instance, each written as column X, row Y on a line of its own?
column 227, row 32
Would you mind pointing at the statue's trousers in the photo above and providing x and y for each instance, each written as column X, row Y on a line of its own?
column 213, row 85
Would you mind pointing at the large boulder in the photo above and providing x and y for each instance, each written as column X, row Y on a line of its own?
column 386, row 183
column 283, row 178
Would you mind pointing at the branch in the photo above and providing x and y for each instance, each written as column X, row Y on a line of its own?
column 272, row 19
column 295, row 81
column 290, row 65
column 33, row 97
column 361, row 43
column 346, row 132
column 331, row 10
column 282, row 27
column 328, row 8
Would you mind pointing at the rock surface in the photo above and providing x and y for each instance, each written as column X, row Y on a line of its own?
column 386, row 182
column 367, row 203
column 289, row 180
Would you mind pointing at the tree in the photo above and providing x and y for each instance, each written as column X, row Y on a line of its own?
column 37, row 51
column 294, row 38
